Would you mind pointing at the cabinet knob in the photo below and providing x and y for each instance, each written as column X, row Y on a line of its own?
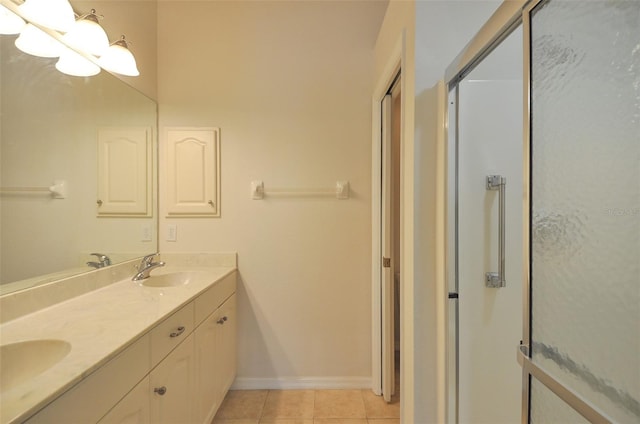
column 99, row 202
column 178, row 332
column 160, row 390
column 221, row 320
column 213, row 205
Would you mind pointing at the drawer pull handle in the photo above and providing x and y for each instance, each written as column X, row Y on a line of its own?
column 160, row 390
column 177, row 333
column 221, row 320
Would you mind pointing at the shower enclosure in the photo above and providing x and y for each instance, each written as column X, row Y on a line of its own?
column 486, row 134
column 543, row 212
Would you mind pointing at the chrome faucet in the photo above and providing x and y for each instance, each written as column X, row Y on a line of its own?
column 146, row 266
column 103, row 260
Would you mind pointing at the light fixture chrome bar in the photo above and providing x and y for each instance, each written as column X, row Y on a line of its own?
column 573, row 399
column 497, row 279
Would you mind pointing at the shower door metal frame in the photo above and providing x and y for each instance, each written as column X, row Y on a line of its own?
column 507, row 18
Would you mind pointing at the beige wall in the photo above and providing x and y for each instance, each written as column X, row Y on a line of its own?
column 289, row 83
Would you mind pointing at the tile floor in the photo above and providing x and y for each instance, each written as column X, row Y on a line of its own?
column 307, row 407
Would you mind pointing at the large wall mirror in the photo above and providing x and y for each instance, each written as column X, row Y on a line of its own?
column 79, row 131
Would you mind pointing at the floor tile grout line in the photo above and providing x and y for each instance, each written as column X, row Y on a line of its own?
column 313, row 410
column 263, row 406
column 364, row 405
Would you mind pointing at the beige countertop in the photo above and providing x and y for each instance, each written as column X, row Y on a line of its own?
column 98, row 325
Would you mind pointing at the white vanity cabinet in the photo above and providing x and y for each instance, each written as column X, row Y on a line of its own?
column 166, row 395
column 172, row 383
column 133, row 408
column 91, row 398
column 178, row 372
column 171, row 332
column 215, row 359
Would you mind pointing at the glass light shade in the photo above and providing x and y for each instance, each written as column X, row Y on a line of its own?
column 53, row 14
column 88, row 36
column 34, row 41
column 74, row 64
column 119, row 59
column 10, row 23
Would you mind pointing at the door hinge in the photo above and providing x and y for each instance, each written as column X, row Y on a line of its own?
column 386, row 262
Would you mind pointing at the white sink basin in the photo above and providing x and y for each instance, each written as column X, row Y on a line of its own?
column 19, row 362
column 172, row 279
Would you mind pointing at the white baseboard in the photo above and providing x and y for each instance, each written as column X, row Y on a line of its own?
column 292, row 383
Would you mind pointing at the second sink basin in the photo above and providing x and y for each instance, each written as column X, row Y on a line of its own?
column 172, row 279
column 22, row 361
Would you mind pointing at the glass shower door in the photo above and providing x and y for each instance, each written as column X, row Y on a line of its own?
column 584, row 206
column 485, row 237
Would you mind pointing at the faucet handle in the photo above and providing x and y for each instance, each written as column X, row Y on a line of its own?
column 104, row 259
column 146, row 261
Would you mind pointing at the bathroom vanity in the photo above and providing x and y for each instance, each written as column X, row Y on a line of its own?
column 158, row 350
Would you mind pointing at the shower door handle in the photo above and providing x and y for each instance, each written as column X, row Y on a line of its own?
column 496, row 279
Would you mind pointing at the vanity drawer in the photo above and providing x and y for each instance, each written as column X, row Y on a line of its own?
column 170, row 332
column 214, row 296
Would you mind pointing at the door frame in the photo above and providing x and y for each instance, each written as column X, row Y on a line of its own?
column 392, row 68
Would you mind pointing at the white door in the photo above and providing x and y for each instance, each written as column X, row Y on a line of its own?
column 490, row 318
column 387, row 259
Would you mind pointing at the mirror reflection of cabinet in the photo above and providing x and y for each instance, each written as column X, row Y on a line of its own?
column 193, row 172
column 124, row 171
column 50, row 125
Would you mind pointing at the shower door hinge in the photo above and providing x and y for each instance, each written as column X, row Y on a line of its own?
column 386, row 262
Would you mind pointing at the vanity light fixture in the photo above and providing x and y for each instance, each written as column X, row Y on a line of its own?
column 74, row 64
column 80, row 44
column 34, row 41
column 119, row 59
column 53, row 14
column 10, row 23
column 87, row 35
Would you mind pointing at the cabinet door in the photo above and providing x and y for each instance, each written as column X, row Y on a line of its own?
column 226, row 349
column 193, row 172
column 172, row 386
column 124, row 171
column 133, row 408
column 216, row 359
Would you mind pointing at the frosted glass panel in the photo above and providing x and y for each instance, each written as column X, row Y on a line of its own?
column 547, row 408
column 585, row 186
